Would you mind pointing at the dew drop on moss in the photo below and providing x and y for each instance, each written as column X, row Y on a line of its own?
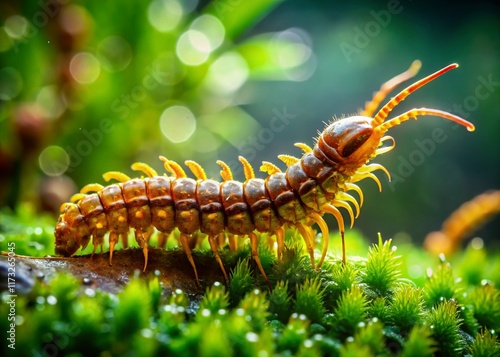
column 87, row 281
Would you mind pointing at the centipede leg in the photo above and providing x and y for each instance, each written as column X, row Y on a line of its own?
column 254, row 243
column 326, row 236
column 187, row 249
column 308, row 236
column 141, row 238
column 280, row 240
column 340, row 221
column 232, row 241
column 124, row 240
column 113, row 239
column 215, row 249
column 162, row 239
column 97, row 241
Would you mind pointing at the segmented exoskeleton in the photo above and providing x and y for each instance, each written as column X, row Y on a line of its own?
column 466, row 218
column 312, row 185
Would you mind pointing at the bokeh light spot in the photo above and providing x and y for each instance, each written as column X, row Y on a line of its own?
column 85, row 67
column 193, row 47
column 50, row 100
column 294, row 54
column 228, row 73
column 11, row 83
column 114, row 53
column 53, row 160
column 177, row 123
column 212, row 28
column 16, row 26
column 165, row 15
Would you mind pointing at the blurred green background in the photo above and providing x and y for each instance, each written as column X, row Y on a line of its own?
column 88, row 87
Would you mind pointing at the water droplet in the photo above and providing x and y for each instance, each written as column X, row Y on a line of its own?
column 87, row 281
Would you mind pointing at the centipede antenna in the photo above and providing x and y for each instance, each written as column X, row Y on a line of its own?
column 423, row 112
column 386, row 109
column 388, row 87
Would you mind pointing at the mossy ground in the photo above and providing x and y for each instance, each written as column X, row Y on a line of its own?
column 383, row 302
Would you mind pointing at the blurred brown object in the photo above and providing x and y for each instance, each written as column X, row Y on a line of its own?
column 30, row 126
column 464, row 220
column 54, row 191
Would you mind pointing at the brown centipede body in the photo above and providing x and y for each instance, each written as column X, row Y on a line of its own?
column 462, row 222
column 312, row 185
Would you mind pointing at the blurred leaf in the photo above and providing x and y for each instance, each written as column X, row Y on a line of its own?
column 237, row 16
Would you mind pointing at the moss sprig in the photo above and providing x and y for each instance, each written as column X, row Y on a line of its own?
column 485, row 344
column 381, row 271
column 441, row 285
column 419, row 343
column 241, row 282
column 309, row 300
column 485, row 301
column 406, row 308
column 444, row 323
column 350, row 311
column 216, row 298
column 280, row 302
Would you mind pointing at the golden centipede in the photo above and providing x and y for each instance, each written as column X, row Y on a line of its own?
column 315, row 184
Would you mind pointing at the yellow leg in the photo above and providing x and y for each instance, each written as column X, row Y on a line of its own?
column 254, row 243
column 308, row 236
column 162, row 239
column 215, row 250
column 142, row 239
column 280, row 240
column 113, row 239
column 340, row 221
column 326, row 236
column 124, row 240
column 187, row 250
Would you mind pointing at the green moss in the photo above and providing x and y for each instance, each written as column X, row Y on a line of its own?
column 366, row 307
column 381, row 271
column 444, row 322
column 309, row 300
column 406, row 308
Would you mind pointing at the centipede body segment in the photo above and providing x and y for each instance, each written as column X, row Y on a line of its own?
column 312, row 185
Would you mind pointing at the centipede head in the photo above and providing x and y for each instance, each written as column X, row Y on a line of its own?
column 349, row 143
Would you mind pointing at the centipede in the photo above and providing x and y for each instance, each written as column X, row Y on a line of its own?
column 462, row 222
column 317, row 183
